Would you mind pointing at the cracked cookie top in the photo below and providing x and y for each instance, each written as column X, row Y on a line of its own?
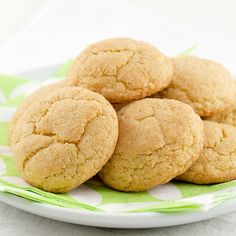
column 64, row 138
column 203, row 84
column 217, row 163
column 35, row 96
column 158, row 140
column 121, row 69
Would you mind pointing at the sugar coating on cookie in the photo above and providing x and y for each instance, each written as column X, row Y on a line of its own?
column 35, row 96
column 217, row 163
column 158, row 140
column 203, row 84
column 64, row 139
column 121, row 69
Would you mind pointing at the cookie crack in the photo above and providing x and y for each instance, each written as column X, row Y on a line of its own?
column 158, row 163
column 116, row 74
column 118, row 69
column 60, row 100
column 85, row 159
column 33, row 153
column 37, row 132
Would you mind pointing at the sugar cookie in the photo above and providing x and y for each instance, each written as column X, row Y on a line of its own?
column 158, row 140
column 121, row 69
column 64, row 139
column 203, row 84
column 217, row 163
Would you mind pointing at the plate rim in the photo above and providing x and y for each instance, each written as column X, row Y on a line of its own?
column 115, row 219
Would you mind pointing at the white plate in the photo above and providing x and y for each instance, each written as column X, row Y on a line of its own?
column 111, row 220
column 115, row 220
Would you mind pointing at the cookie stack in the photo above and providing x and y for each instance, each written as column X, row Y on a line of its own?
column 133, row 116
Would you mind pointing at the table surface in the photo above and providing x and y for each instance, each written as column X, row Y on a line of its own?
column 216, row 17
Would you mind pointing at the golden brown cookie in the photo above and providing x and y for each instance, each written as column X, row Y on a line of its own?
column 64, row 139
column 158, row 140
column 121, row 69
column 217, row 163
column 203, row 84
column 35, row 96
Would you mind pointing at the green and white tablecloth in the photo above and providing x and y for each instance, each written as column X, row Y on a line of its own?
column 93, row 195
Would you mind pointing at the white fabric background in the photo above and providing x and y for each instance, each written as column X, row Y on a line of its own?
column 60, row 29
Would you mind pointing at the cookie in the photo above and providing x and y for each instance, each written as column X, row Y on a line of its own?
column 217, row 163
column 64, row 139
column 35, row 96
column 121, row 69
column 158, row 140
column 203, row 84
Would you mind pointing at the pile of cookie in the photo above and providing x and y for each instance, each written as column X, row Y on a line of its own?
column 132, row 115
